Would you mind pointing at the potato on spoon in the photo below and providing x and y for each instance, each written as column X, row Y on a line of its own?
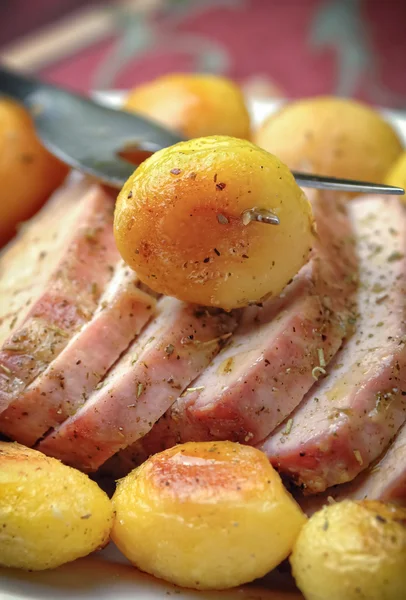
column 185, row 221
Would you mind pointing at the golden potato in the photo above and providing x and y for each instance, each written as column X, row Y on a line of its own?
column 397, row 174
column 28, row 172
column 205, row 515
column 50, row 514
column 331, row 136
column 194, row 105
column 182, row 221
column 352, row 551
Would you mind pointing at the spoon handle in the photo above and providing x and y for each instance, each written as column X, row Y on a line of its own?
column 345, row 185
column 17, row 86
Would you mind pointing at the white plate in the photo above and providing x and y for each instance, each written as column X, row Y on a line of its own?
column 107, row 575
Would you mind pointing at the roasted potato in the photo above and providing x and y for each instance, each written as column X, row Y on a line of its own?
column 352, row 551
column 331, row 136
column 397, row 174
column 50, row 514
column 28, row 172
column 193, row 105
column 183, row 222
column 205, row 515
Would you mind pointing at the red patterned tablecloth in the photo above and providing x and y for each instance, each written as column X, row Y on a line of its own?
column 274, row 47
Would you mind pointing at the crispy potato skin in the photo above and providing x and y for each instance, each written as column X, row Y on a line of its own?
column 28, row 172
column 397, row 174
column 194, row 105
column 331, row 136
column 205, row 515
column 50, row 514
column 352, row 551
column 179, row 222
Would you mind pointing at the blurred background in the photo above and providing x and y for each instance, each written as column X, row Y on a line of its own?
column 274, row 48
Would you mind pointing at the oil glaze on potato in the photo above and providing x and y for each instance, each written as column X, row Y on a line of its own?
column 28, row 172
column 181, row 222
column 331, row 136
column 50, row 514
column 194, row 105
column 352, row 551
column 205, row 515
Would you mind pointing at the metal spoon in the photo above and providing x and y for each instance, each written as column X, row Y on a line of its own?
column 89, row 137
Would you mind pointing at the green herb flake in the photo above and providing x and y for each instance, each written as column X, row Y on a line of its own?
column 395, row 256
column 222, row 219
column 358, row 457
column 317, row 371
column 288, row 427
column 189, row 390
column 322, row 360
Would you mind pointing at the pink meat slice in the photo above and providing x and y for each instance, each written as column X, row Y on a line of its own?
column 67, row 382
column 51, row 281
column 268, row 366
column 167, row 356
column 349, row 418
column 386, row 481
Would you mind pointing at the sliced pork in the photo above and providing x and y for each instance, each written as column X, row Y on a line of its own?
column 168, row 355
column 51, row 281
column 385, row 481
column 67, row 382
column 348, row 419
column 277, row 352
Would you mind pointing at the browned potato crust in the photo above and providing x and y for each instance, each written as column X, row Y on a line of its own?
column 206, row 515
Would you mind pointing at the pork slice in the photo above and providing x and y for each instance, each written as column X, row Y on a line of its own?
column 52, row 277
column 349, row 418
column 386, row 481
column 268, row 366
column 67, row 382
column 168, row 355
